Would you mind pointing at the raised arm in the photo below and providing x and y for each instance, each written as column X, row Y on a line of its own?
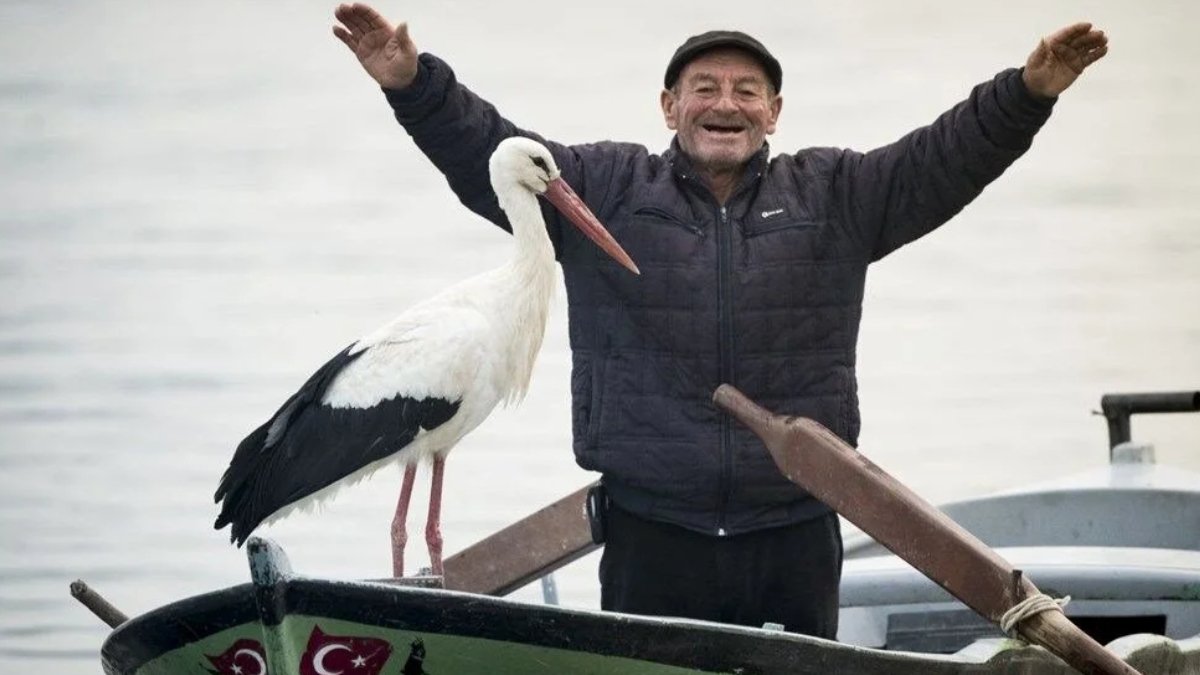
column 385, row 52
column 897, row 193
column 456, row 129
column 1062, row 57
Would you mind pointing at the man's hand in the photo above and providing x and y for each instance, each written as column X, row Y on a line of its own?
column 1060, row 58
column 386, row 53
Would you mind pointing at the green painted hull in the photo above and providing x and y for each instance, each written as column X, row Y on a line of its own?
column 288, row 624
column 444, row 653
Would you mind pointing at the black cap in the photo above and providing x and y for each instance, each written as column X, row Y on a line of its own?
column 695, row 45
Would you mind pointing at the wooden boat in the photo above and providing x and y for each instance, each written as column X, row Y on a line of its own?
column 289, row 624
column 893, row 620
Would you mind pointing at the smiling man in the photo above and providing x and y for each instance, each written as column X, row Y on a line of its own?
column 722, row 100
column 753, row 270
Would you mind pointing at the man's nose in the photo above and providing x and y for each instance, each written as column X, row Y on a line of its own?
column 725, row 102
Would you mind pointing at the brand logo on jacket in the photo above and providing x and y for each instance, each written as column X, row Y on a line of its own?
column 770, row 214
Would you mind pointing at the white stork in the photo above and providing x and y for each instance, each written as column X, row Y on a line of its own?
column 410, row 390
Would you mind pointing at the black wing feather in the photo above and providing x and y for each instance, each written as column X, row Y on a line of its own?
column 307, row 445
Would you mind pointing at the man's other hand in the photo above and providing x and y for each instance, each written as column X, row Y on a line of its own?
column 1062, row 57
column 387, row 54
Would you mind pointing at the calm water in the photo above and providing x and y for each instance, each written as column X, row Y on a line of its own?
column 200, row 204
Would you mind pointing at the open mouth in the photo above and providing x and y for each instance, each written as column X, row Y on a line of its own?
column 722, row 129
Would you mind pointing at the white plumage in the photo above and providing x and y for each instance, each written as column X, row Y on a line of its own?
column 410, row 390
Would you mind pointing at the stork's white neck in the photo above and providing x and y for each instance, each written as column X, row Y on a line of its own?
column 531, row 273
column 525, row 216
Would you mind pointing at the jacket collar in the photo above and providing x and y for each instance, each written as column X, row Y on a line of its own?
column 682, row 167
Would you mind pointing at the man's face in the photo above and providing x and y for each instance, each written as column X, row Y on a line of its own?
column 722, row 108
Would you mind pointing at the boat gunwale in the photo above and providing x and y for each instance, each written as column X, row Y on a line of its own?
column 165, row 629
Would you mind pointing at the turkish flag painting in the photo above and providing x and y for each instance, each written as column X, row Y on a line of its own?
column 343, row 654
column 244, row 657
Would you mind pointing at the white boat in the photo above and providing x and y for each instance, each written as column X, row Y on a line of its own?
column 1122, row 541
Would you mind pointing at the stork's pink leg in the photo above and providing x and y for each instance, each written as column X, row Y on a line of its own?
column 433, row 525
column 399, row 530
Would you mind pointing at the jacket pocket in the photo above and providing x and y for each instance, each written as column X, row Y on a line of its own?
column 654, row 236
column 656, row 216
column 758, row 226
column 587, row 394
column 785, row 240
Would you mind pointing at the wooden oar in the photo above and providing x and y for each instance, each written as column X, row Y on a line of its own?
column 524, row 551
column 827, row 467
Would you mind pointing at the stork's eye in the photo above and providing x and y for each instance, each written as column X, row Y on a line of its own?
column 541, row 164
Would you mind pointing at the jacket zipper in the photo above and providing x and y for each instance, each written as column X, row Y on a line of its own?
column 725, row 312
column 725, row 336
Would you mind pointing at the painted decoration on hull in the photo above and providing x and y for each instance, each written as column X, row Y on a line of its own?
column 415, row 664
column 244, row 657
column 325, row 654
column 328, row 654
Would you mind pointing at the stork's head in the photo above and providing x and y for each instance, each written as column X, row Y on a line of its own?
column 524, row 164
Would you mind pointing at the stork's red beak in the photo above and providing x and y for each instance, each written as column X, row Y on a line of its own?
column 570, row 205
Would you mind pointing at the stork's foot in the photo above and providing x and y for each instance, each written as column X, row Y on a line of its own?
column 399, row 539
column 433, row 537
column 399, row 530
column 433, row 524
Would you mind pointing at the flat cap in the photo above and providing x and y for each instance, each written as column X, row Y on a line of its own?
column 697, row 44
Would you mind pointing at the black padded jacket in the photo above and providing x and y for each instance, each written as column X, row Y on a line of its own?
column 764, row 292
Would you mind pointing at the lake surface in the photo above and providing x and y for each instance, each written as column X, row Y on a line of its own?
column 200, row 204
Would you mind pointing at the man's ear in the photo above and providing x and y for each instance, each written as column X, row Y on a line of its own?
column 669, row 104
column 776, row 108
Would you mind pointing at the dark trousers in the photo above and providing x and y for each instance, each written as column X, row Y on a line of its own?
column 787, row 575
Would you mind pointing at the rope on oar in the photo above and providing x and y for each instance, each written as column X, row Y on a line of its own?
column 1034, row 604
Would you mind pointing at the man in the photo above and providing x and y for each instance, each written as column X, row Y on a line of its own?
column 752, row 273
